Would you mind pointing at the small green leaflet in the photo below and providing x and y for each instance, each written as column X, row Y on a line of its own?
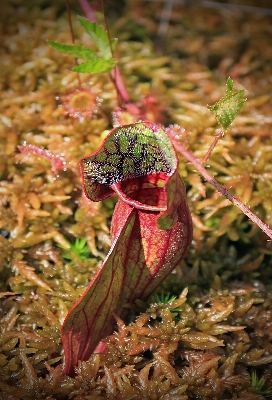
column 96, row 62
column 227, row 108
column 76, row 51
column 96, row 66
column 99, row 36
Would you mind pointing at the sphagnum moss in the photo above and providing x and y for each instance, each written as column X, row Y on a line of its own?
column 221, row 333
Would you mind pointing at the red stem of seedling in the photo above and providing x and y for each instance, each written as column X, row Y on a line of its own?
column 212, row 146
column 88, row 11
column 123, row 97
column 72, row 36
column 122, row 94
column 210, row 179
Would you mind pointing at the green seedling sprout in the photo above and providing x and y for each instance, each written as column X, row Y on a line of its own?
column 95, row 61
column 78, row 249
column 225, row 111
column 228, row 107
column 258, row 384
column 166, row 298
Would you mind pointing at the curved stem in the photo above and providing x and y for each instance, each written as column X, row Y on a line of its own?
column 214, row 143
column 210, row 179
column 115, row 75
column 122, row 94
column 88, row 11
column 72, row 36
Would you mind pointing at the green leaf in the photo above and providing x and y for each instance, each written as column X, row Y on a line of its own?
column 96, row 66
column 227, row 108
column 99, row 36
column 76, row 51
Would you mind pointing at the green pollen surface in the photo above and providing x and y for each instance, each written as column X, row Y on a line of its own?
column 114, row 159
column 108, row 169
column 137, row 150
column 110, row 146
column 146, row 139
column 101, row 157
column 130, row 151
column 128, row 166
column 124, row 144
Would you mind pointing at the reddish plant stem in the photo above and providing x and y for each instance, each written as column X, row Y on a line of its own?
column 122, row 94
column 123, row 97
column 212, row 146
column 72, row 35
column 210, row 179
column 88, row 11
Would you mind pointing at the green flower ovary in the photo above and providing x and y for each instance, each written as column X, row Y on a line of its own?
column 131, row 151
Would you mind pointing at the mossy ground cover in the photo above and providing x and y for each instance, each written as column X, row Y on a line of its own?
column 208, row 343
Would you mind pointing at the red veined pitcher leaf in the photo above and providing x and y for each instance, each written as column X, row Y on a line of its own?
column 130, row 192
column 176, row 199
column 151, row 230
column 141, row 256
column 161, row 249
column 91, row 317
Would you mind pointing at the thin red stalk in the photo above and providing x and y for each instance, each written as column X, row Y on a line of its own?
column 214, row 143
column 120, row 86
column 72, row 35
column 106, row 24
column 122, row 94
column 210, row 179
column 88, row 11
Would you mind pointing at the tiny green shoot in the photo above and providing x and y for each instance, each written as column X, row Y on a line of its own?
column 258, row 384
column 78, row 249
column 99, row 36
column 227, row 108
column 95, row 61
column 167, row 298
column 164, row 298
